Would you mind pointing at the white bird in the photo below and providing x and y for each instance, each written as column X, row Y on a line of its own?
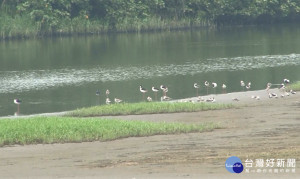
column 282, row 86
column 274, row 95
column 286, row 81
column 107, row 93
column 224, row 88
column 165, row 98
column 117, row 100
column 143, row 90
column 155, row 90
column 242, row 84
column 257, row 97
column 164, row 89
column 206, row 83
column 149, row 99
column 248, row 86
column 197, row 88
column 212, row 99
column 214, row 85
column 107, row 101
column 270, row 95
column 200, row 99
column 18, row 102
column 268, row 87
column 292, row 92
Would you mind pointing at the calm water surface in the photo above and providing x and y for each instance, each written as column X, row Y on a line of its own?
column 52, row 75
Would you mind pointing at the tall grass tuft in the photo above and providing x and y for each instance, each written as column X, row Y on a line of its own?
column 145, row 108
column 63, row 129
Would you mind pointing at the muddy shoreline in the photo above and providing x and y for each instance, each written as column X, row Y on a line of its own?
column 266, row 128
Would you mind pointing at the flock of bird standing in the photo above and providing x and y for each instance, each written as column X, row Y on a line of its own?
column 213, row 85
column 164, row 97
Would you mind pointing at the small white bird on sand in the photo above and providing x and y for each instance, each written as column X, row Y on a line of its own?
column 149, row 99
column 292, row 92
column 274, row 95
column 117, row 100
column 107, row 101
column 165, row 98
column 212, row 100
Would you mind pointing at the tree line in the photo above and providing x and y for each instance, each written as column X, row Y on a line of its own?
column 84, row 16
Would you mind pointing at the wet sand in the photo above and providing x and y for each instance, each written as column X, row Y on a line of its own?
column 266, row 128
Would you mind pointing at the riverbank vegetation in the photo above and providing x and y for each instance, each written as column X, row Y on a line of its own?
column 145, row 108
column 294, row 86
column 33, row 18
column 47, row 130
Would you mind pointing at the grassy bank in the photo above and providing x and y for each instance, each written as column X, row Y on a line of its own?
column 294, row 86
column 23, row 26
column 65, row 129
column 145, row 108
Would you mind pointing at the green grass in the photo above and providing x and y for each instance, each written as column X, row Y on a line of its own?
column 294, row 86
column 47, row 130
column 145, row 108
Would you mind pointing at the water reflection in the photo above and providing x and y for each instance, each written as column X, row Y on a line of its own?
column 20, row 81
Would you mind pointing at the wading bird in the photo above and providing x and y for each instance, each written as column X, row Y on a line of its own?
column 197, row 88
column 143, row 90
column 164, row 89
column 286, row 81
column 155, row 90
column 214, row 86
column 107, row 93
column 18, row 102
column 268, row 87
column 248, row 86
column 242, row 85
column 224, row 88
column 98, row 94
column 107, row 101
column 206, row 83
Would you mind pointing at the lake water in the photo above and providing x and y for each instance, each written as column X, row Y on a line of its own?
column 59, row 74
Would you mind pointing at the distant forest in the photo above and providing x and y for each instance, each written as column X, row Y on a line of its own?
column 25, row 18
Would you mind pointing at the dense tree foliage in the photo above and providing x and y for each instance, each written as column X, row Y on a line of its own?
column 98, row 15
